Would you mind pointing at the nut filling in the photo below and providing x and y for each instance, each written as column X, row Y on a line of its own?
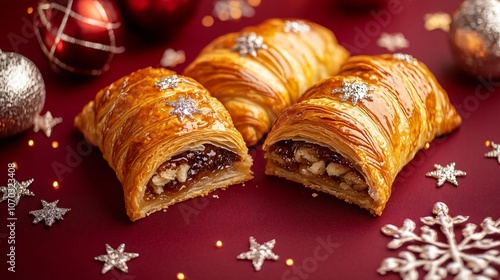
column 315, row 160
column 182, row 170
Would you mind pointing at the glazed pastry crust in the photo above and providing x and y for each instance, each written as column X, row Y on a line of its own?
column 133, row 127
column 379, row 137
column 256, row 89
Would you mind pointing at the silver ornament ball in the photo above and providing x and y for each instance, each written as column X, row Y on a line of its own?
column 22, row 93
column 475, row 37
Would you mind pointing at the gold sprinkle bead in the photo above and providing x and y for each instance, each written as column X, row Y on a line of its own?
column 314, row 194
column 55, row 144
column 15, row 165
column 55, row 185
column 29, row 10
column 289, row 262
column 427, row 145
column 487, row 143
column 180, row 276
column 31, row 143
column 218, row 244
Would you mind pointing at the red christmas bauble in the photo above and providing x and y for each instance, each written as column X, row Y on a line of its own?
column 79, row 36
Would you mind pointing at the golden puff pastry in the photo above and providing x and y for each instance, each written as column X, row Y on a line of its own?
column 260, row 71
column 166, row 138
column 351, row 134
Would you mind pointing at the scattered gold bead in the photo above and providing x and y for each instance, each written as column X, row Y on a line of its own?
column 55, row 144
column 31, row 143
column 487, row 143
column 180, row 276
column 218, row 244
column 427, row 145
column 30, row 10
column 314, row 194
column 15, row 165
column 289, row 262
column 55, row 185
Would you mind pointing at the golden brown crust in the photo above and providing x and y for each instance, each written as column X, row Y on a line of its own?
column 256, row 89
column 132, row 124
column 408, row 110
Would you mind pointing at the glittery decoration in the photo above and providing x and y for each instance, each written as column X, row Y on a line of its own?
column 437, row 21
column 168, row 83
column 258, row 253
column 22, row 93
column 45, row 123
column 404, row 57
column 116, row 258
column 172, row 58
column 184, row 107
column 249, row 44
column 296, row 26
column 393, row 42
column 232, row 9
column 50, row 213
column 356, row 91
column 16, row 190
column 447, row 173
column 469, row 258
column 495, row 153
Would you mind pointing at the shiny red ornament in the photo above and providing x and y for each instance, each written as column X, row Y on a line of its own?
column 79, row 36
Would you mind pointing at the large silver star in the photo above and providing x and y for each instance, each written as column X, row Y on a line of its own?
column 258, row 253
column 296, row 26
column 16, row 190
column 45, row 123
column 115, row 258
column 495, row 152
column 249, row 44
column 168, row 83
column 393, row 42
column 447, row 173
column 50, row 213
column 356, row 91
column 184, row 107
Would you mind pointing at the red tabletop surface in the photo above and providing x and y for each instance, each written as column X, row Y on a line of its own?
column 326, row 237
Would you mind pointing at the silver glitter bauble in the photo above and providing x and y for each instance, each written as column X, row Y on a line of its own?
column 475, row 37
column 22, row 93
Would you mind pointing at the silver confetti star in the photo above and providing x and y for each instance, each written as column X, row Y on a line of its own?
column 116, row 258
column 50, row 213
column 16, row 190
column 168, row 83
column 447, row 173
column 296, row 26
column 404, row 57
column 356, row 91
column 184, row 107
column 495, row 153
column 393, row 42
column 249, row 44
column 45, row 123
column 258, row 253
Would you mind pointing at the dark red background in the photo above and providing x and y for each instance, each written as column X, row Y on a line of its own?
column 183, row 238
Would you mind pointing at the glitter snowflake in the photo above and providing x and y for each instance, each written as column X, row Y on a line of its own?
column 495, row 153
column 249, row 44
column 258, row 253
column 296, row 26
column 404, row 57
column 470, row 258
column 447, row 173
column 45, row 123
column 356, row 91
column 18, row 189
column 168, row 83
column 50, row 213
column 115, row 258
column 184, row 107
column 393, row 42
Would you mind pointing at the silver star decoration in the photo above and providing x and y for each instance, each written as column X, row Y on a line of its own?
column 404, row 57
column 393, row 42
column 168, row 83
column 45, row 123
column 116, row 258
column 495, row 153
column 258, row 253
column 447, row 173
column 356, row 91
column 19, row 189
column 184, row 107
column 296, row 26
column 50, row 213
column 249, row 44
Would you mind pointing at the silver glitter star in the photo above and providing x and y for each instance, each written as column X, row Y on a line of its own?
column 258, row 253
column 495, row 152
column 447, row 173
column 356, row 91
column 50, row 213
column 184, row 107
column 393, row 42
column 16, row 190
column 45, row 123
column 116, row 258
column 404, row 57
column 296, row 26
column 168, row 83
column 249, row 44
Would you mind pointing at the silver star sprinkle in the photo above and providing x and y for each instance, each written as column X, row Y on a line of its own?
column 116, row 258
column 50, row 213
column 249, row 44
column 172, row 57
column 184, row 107
column 45, row 123
column 495, row 153
column 296, row 26
column 356, row 91
column 393, row 42
column 258, row 253
column 404, row 57
column 168, row 83
column 16, row 190
column 447, row 173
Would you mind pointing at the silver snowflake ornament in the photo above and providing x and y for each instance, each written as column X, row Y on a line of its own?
column 249, row 44
column 16, row 190
column 495, row 153
column 469, row 258
column 50, row 213
column 258, row 253
column 447, row 173
column 184, row 107
column 404, row 57
column 45, row 123
column 115, row 258
column 393, row 42
column 168, row 83
column 296, row 26
column 356, row 91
